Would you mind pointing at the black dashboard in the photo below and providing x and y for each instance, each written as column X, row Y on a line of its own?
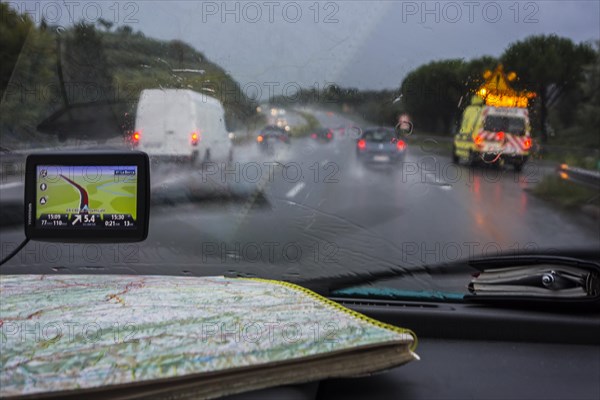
column 473, row 351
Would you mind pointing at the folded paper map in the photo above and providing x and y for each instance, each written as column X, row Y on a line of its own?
column 113, row 336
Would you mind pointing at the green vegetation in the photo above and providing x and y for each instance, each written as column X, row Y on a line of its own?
column 430, row 144
column 572, row 158
column 252, row 125
column 302, row 130
column 13, row 32
column 113, row 64
column 566, row 194
column 554, row 68
column 376, row 107
column 28, row 91
column 565, row 75
column 435, row 94
column 45, row 69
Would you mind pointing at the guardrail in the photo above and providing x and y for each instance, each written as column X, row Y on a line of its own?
column 579, row 175
column 11, row 166
column 13, row 162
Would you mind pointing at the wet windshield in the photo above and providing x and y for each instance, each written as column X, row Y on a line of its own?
column 195, row 84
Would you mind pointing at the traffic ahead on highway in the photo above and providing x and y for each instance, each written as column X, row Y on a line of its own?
column 431, row 165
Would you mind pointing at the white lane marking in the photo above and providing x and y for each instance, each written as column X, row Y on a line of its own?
column 10, row 185
column 442, row 184
column 295, row 190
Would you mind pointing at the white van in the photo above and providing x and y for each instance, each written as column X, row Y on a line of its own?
column 181, row 124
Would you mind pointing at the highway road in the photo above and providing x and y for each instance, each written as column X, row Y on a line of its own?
column 312, row 211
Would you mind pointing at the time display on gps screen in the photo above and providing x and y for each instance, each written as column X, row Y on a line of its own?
column 86, row 196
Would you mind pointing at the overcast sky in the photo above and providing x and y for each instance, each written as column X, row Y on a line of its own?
column 369, row 45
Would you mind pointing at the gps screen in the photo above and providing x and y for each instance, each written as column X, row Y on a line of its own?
column 86, row 197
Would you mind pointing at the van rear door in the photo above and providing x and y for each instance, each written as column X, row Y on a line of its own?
column 165, row 124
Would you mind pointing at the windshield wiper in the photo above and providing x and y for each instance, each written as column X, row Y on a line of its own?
column 576, row 271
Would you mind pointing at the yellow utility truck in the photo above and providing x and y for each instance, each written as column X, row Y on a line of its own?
column 495, row 127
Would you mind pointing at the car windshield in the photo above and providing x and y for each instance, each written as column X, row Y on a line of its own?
column 195, row 84
column 496, row 123
column 378, row 135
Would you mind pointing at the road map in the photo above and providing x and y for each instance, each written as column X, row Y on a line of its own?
column 135, row 329
column 85, row 194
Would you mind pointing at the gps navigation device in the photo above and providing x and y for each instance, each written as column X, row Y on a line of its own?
column 87, row 197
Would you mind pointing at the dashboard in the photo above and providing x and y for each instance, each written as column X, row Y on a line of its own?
column 473, row 351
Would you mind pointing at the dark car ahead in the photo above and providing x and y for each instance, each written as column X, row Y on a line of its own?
column 323, row 135
column 380, row 145
column 271, row 137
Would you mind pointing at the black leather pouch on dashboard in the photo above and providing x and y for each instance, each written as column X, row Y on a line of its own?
column 539, row 280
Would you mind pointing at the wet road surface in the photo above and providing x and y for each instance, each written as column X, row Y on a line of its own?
column 312, row 210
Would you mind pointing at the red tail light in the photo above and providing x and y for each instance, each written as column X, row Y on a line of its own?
column 500, row 136
column 313, row 135
column 400, row 145
column 195, row 139
column 329, row 135
column 135, row 138
column 527, row 143
column 259, row 139
column 362, row 144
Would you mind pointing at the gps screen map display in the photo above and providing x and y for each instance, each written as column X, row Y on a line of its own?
column 86, row 196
